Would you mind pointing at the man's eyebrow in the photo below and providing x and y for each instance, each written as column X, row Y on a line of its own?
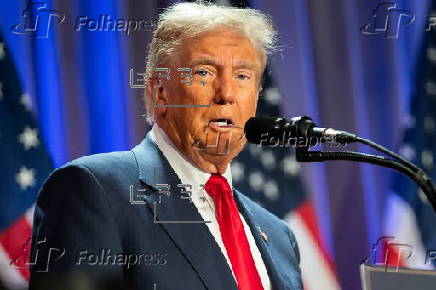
column 209, row 61
column 206, row 61
column 244, row 64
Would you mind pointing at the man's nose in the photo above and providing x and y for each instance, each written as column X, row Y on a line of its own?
column 225, row 92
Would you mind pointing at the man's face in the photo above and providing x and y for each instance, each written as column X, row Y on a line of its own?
column 226, row 72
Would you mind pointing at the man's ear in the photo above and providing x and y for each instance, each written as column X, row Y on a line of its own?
column 157, row 95
column 156, row 91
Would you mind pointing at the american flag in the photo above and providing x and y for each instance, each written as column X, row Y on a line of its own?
column 410, row 217
column 271, row 177
column 24, row 166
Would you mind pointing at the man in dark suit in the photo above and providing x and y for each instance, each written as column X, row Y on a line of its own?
column 165, row 214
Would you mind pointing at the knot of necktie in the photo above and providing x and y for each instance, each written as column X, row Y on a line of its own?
column 217, row 185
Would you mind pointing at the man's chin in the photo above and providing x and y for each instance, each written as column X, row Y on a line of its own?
column 224, row 149
column 216, row 151
column 220, row 143
column 221, row 154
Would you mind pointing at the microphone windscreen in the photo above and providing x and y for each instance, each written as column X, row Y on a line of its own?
column 256, row 128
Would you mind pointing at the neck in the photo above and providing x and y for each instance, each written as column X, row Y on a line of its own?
column 206, row 162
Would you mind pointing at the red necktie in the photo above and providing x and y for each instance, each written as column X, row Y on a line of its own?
column 233, row 234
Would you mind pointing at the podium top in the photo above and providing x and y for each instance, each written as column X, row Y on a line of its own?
column 376, row 277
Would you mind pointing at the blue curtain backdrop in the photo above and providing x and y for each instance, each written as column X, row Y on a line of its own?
column 327, row 69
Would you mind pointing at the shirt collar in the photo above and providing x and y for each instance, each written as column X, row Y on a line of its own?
column 185, row 170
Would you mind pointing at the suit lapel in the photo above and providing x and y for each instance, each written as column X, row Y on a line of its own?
column 180, row 218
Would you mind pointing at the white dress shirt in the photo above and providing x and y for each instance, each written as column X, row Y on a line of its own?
column 189, row 174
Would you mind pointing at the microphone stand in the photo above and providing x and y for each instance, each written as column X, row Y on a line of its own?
column 400, row 164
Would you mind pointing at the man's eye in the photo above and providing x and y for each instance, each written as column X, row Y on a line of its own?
column 202, row 72
column 242, row 77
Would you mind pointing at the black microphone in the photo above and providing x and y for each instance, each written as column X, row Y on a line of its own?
column 296, row 132
column 302, row 133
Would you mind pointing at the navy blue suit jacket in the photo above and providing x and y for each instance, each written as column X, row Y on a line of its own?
column 99, row 214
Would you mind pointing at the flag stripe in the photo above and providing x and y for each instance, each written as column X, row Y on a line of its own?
column 29, row 215
column 307, row 214
column 13, row 240
column 317, row 269
column 401, row 223
column 10, row 276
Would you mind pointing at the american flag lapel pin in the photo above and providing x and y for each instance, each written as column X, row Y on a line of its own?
column 263, row 235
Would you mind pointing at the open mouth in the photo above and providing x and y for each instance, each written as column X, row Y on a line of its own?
column 222, row 123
